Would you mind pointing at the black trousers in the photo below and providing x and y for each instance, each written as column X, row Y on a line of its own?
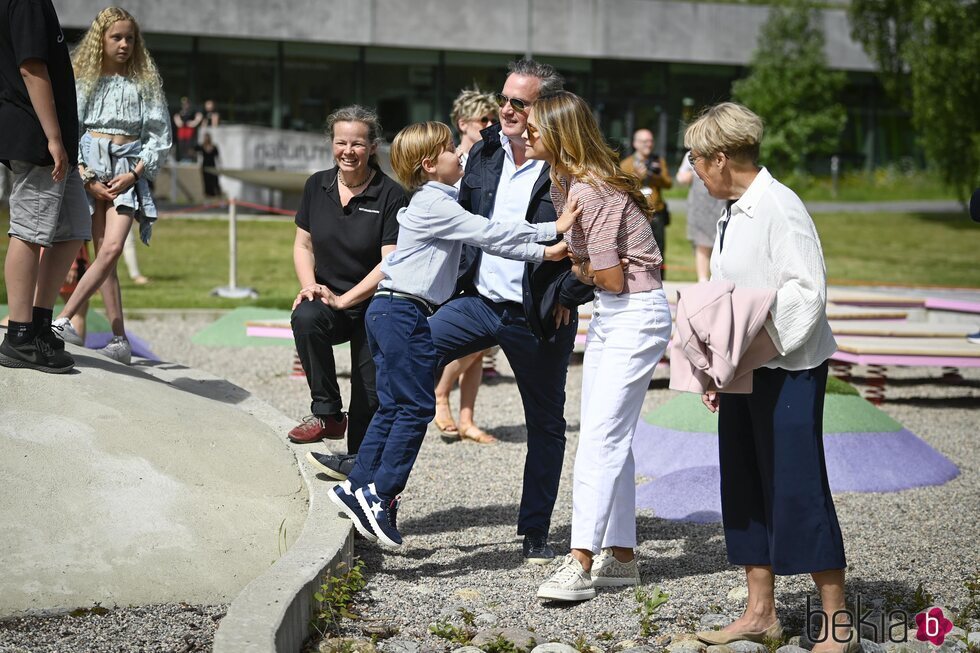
column 659, row 226
column 776, row 504
column 316, row 329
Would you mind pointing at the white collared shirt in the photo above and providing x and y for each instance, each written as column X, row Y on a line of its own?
column 499, row 279
column 770, row 241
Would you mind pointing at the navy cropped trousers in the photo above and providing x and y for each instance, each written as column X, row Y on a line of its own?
column 776, row 504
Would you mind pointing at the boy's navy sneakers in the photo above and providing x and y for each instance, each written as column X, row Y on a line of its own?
column 344, row 499
column 382, row 513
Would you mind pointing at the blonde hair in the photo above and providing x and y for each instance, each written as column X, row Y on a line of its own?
column 472, row 103
column 87, row 57
column 569, row 131
column 412, row 145
column 727, row 127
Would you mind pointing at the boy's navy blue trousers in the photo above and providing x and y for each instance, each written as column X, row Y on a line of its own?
column 776, row 504
column 405, row 358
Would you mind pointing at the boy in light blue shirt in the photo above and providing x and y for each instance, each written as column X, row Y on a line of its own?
column 419, row 276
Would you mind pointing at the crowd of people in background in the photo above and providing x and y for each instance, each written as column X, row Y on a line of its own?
column 490, row 241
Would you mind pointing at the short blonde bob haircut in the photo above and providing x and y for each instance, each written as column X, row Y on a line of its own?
column 729, row 128
column 472, row 103
column 414, row 144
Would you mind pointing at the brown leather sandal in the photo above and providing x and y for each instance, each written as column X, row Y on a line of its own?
column 474, row 433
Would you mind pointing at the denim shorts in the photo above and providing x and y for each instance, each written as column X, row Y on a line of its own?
column 44, row 211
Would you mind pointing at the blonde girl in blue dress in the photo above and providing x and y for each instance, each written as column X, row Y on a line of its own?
column 125, row 128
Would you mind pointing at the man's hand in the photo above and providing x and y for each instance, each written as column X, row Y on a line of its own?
column 563, row 315
column 556, row 252
column 57, row 150
column 710, row 400
column 568, row 216
column 312, row 293
column 582, row 270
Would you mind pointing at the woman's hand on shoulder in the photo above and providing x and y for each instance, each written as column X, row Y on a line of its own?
column 568, row 216
column 314, row 292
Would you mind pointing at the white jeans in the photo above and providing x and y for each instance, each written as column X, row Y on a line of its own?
column 628, row 335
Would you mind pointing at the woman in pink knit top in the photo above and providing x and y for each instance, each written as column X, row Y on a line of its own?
column 614, row 250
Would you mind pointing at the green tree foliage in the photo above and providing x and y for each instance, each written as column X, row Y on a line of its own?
column 792, row 89
column 928, row 51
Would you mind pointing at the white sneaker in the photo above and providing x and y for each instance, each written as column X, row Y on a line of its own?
column 570, row 583
column 63, row 329
column 607, row 571
column 118, row 349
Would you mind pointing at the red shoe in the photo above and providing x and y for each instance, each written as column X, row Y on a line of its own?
column 313, row 429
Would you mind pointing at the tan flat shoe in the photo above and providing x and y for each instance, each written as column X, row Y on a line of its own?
column 775, row 631
column 474, row 433
column 446, row 425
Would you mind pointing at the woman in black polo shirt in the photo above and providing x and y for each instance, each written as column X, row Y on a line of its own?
column 345, row 224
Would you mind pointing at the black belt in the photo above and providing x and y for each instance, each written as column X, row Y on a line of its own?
column 421, row 303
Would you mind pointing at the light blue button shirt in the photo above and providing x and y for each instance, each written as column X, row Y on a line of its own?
column 432, row 232
column 500, row 279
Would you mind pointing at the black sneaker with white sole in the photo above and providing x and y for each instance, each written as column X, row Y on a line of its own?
column 336, row 466
column 537, row 551
column 35, row 354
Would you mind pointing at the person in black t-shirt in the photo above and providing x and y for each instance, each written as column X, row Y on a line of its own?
column 48, row 209
column 209, row 161
column 346, row 223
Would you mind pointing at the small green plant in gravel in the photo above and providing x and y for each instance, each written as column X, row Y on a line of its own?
column 501, row 644
column 336, row 596
column 772, row 644
column 581, row 644
column 605, row 636
column 451, row 633
column 469, row 618
column 921, row 599
column 971, row 611
column 649, row 603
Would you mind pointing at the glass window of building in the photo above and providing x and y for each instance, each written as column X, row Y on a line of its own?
column 317, row 79
column 173, row 55
column 401, row 85
column 240, row 76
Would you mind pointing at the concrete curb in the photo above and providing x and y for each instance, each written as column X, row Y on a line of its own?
column 274, row 611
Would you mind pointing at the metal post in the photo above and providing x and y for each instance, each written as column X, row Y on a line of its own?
column 232, row 244
column 232, row 291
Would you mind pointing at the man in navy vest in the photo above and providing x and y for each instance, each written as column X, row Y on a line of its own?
column 530, row 310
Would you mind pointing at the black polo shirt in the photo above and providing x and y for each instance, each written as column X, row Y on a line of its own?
column 347, row 240
column 29, row 29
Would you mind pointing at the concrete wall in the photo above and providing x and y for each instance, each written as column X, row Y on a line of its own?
column 646, row 30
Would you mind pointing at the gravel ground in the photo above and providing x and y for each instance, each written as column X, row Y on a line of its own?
column 462, row 550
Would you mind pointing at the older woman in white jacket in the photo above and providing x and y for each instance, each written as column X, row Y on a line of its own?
column 777, row 509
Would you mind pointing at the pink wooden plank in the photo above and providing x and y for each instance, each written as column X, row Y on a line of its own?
column 952, row 305
column 269, row 332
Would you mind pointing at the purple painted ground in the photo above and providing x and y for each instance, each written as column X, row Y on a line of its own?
column 684, row 468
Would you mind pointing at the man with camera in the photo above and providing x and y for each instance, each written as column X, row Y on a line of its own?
column 654, row 176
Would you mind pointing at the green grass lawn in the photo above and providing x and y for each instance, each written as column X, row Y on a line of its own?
column 188, row 258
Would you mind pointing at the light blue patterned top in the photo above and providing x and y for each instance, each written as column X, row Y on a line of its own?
column 116, row 106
